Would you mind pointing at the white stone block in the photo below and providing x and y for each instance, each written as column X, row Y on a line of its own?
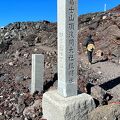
column 56, row 107
column 37, row 72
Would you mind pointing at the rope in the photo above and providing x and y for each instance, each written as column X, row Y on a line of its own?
column 114, row 102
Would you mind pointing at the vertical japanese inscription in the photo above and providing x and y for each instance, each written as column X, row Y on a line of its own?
column 72, row 41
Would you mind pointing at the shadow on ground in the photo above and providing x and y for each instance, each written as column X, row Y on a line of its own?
column 50, row 83
column 102, row 60
column 110, row 84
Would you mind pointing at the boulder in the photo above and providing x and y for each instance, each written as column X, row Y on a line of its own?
column 31, row 110
column 107, row 112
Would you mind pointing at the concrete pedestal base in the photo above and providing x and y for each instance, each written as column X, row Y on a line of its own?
column 56, row 107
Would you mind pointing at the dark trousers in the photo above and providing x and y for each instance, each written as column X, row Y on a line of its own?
column 89, row 54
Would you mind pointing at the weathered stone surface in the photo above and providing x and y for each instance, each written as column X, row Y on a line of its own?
column 20, row 106
column 2, row 117
column 108, row 112
column 18, row 118
column 97, row 91
column 99, row 53
column 4, row 46
column 19, row 78
column 32, row 110
column 70, row 108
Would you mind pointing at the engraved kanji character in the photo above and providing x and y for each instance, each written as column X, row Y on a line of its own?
column 71, row 9
column 72, row 2
column 71, row 17
column 71, row 34
column 71, row 26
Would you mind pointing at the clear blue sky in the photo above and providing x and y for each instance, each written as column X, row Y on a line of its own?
column 35, row 10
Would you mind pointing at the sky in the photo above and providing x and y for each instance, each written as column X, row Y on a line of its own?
column 39, row 10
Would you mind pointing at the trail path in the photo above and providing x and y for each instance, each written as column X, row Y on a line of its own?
column 110, row 76
column 109, row 72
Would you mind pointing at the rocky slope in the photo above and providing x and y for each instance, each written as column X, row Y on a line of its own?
column 18, row 41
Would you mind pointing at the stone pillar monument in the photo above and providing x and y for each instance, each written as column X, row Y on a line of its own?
column 64, row 103
column 67, row 47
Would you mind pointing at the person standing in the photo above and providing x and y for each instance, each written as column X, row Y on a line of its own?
column 89, row 44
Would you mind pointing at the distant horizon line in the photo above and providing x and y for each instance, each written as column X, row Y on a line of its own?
column 51, row 21
column 54, row 21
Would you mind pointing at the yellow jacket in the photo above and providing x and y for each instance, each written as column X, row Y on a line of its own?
column 90, row 47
